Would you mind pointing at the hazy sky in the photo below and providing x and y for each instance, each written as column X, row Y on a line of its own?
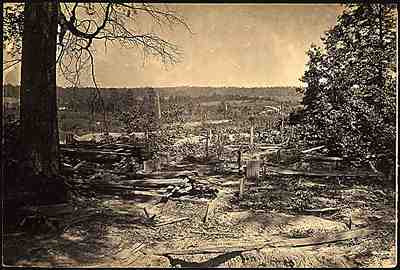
column 233, row 45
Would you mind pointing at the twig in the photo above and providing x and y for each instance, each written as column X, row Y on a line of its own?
column 213, row 233
column 171, row 221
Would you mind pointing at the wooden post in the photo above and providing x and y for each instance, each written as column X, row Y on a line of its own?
column 157, row 164
column 242, row 183
column 207, row 142
column 239, row 160
column 251, row 130
column 167, row 158
column 282, row 118
column 251, row 134
column 158, row 109
column 147, row 143
column 262, row 172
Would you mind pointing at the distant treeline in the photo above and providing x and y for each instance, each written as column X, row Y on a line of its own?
column 192, row 91
column 120, row 99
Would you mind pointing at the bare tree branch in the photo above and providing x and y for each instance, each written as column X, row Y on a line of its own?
column 10, row 63
column 82, row 23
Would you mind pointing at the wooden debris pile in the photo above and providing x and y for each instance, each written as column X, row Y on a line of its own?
column 117, row 169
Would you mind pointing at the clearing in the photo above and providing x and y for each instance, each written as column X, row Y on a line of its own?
column 284, row 221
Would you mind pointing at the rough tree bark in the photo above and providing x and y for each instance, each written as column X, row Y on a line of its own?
column 38, row 89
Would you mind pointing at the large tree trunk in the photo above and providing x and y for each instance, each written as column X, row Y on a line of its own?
column 38, row 89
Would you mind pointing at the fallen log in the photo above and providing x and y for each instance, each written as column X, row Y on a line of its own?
column 309, row 241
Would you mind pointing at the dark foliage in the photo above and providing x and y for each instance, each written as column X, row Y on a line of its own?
column 349, row 94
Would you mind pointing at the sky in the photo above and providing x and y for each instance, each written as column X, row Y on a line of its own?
column 242, row 45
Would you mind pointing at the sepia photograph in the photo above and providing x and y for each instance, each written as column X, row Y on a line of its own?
column 199, row 135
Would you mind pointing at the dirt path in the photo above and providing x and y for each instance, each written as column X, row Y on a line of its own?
column 121, row 234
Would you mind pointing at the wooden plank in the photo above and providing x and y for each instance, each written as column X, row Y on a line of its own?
column 284, row 171
column 92, row 152
column 155, row 182
column 312, row 149
column 168, row 174
column 309, row 241
column 322, row 158
column 323, row 210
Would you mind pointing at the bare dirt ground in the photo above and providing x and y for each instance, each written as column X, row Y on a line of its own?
column 117, row 232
